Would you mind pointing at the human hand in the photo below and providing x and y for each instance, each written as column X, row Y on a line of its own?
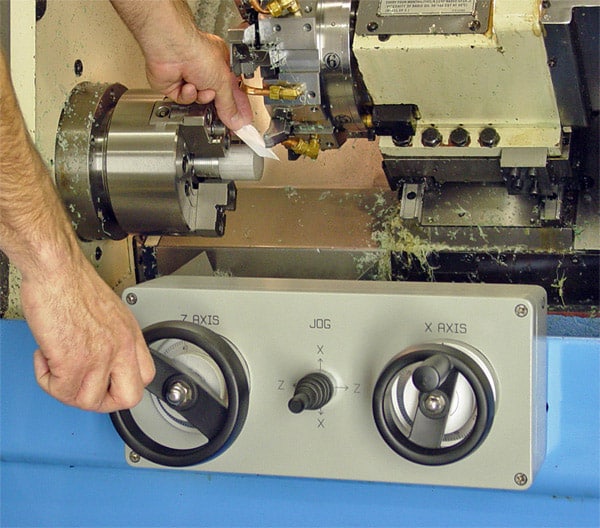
column 183, row 62
column 92, row 354
column 201, row 73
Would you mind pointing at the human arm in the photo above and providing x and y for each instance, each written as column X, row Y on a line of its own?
column 91, row 352
column 182, row 62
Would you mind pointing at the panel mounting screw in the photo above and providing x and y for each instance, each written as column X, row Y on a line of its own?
column 131, row 298
column 521, row 310
column 474, row 25
column 372, row 26
column 520, row 479
column 135, row 458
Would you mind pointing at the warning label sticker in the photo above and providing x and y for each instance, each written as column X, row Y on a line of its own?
column 425, row 7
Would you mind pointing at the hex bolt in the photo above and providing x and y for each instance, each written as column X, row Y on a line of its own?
column 520, row 479
column 131, row 298
column 521, row 310
column 179, row 393
column 134, row 457
column 431, row 137
column 489, row 137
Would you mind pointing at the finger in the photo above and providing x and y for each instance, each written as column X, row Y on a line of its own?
column 40, row 365
column 244, row 109
column 64, row 390
column 187, row 94
column 125, row 391
column 205, row 96
column 146, row 364
column 179, row 96
column 226, row 106
column 93, row 390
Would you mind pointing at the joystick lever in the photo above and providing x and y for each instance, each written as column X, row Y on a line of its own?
column 312, row 392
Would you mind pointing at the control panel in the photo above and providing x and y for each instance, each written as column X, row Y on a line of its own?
column 438, row 384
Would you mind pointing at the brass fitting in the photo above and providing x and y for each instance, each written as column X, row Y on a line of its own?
column 288, row 93
column 302, row 147
column 276, row 92
column 279, row 8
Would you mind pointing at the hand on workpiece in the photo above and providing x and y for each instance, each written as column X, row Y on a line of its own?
column 182, row 62
column 91, row 351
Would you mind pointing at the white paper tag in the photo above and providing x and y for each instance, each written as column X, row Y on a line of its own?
column 249, row 135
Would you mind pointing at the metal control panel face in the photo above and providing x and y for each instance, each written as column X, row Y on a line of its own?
column 438, row 384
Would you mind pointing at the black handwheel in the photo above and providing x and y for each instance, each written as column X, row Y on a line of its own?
column 434, row 404
column 182, row 406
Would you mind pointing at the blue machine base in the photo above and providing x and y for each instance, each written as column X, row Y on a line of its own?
column 64, row 467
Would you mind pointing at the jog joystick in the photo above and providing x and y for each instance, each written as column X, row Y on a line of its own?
column 312, row 392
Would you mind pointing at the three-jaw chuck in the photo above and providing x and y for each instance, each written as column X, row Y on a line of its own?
column 133, row 162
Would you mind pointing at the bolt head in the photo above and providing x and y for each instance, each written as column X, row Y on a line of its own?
column 435, row 403
column 460, row 137
column 474, row 25
column 521, row 310
column 178, row 394
column 431, row 137
column 131, row 298
column 489, row 137
column 520, row 479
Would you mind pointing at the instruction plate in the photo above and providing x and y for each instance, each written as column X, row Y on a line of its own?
column 425, row 7
column 414, row 17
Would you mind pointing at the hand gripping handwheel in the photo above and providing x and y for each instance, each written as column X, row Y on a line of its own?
column 197, row 403
column 434, row 404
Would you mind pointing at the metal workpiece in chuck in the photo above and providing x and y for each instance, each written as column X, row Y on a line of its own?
column 196, row 406
column 434, row 404
column 132, row 162
column 312, row 392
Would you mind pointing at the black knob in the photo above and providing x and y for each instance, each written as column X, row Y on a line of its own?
column 460, row 137
column 489, row 137
column 312, row 392
column 432, row 373
column 431, row 137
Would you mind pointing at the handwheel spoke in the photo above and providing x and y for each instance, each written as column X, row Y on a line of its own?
column 185, row 392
